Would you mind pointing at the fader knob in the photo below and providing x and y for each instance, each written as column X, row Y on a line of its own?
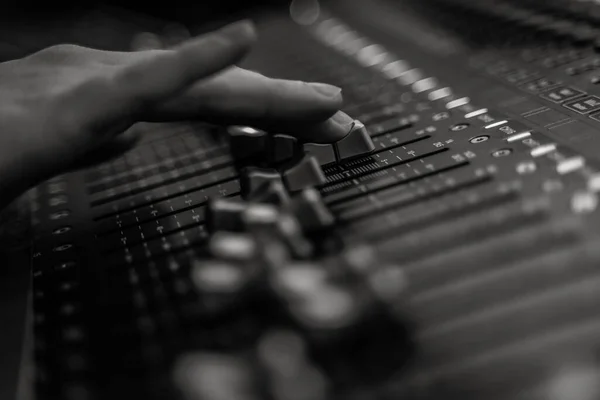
column 252, row 178
column 234, row 247
column 212, row 376
column 324, row 153
column 260, row 217
column 281, row 148
column 306, row 173
column 224, row 215
column 273, row 193
column 246, row 142
column 266, row 220
column 357, row 143
column 311, row 211
column 220, row 277
column 289, row 372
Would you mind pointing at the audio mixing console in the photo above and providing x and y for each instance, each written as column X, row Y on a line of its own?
column 448, row 247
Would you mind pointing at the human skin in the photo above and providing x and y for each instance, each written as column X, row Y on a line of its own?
column 67, row 107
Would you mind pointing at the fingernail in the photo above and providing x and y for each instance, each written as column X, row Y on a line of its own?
column 240, row 30
column 343, row 124
column 326, row 90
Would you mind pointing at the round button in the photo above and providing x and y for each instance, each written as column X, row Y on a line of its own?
column 459, row 127
column 440, row 116
column 61, row 230
column 60, row 214
column 479, row 139
column 64, row 265
column 501, row 153
column 62, row 247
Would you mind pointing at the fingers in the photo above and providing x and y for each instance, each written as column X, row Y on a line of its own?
column 157, row 75
column 242, row 97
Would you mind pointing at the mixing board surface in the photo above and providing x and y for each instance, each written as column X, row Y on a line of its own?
column 455, row 256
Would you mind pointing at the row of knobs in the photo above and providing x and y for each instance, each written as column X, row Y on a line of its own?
column 253, row 146
column 559, row 27
column 333, row 314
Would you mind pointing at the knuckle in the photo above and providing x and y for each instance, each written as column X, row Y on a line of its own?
column 143, row 72
column 58, row 51
column 73, row 106
column 65, row 48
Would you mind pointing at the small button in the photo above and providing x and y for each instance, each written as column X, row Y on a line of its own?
column 584, row 105
column 495, row 124
column 501, row 153
column 539, row 85
column 593, row 183
column 520, row 76
column 459, row 127
column 58, row 200
column 518, row 136
column 562, row 93
column 439, row 94
column 457, row 103
column 357, row 143
column 526, row 167
column 584, row 202
column 411, row 76
column 595, row 116
column 60, row 214
column 479, row 139
column 424, row 85
column 62, row 230
column 63, row 247
column 63, row 266
column 476, row 113
column 570, row 165
column 394, row 69
column 543, row 149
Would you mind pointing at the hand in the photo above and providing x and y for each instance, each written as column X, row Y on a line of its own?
column 66, row 105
